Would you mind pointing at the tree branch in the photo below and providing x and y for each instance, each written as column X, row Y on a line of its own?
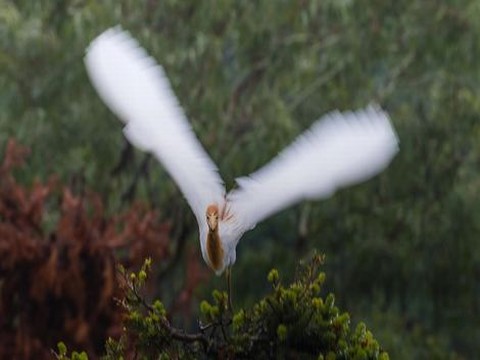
column 175, row 333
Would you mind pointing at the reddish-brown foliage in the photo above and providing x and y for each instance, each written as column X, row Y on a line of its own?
column 61, row 285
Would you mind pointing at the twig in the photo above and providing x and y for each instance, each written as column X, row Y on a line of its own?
column 317, row 83
column 302, row 229
column 181, row 237
column 125, row 156
column 175, row 333
column 395, row 74
column 248, row 79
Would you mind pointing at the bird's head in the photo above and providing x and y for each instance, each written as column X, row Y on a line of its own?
column 212, row 217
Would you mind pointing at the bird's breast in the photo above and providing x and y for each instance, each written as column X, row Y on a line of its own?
column 214, row 250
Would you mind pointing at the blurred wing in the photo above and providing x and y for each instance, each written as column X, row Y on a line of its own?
column 136, row 89
column 340, row 149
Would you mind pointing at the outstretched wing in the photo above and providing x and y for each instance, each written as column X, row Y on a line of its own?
column 340, row 149
column 137, row 90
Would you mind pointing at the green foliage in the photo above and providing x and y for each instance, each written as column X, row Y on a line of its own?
column 403, row 248
column 290, row 321
column 62, row 353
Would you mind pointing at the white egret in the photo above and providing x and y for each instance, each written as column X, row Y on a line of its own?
column 340, row 149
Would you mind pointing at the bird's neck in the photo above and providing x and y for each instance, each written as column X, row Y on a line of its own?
column 214, row 249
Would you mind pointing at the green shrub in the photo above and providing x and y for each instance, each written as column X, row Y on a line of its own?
column 292, row 321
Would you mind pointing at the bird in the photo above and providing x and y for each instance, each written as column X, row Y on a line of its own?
column 340, row 149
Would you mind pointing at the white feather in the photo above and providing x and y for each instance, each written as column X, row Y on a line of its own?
column 340, row 149
column 136, row 89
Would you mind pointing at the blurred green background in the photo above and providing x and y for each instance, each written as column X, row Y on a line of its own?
column 402, row 250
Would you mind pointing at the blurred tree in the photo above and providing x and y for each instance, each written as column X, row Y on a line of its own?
column 402, row 249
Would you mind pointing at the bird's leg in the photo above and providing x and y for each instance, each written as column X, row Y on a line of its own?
column 229, row 288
